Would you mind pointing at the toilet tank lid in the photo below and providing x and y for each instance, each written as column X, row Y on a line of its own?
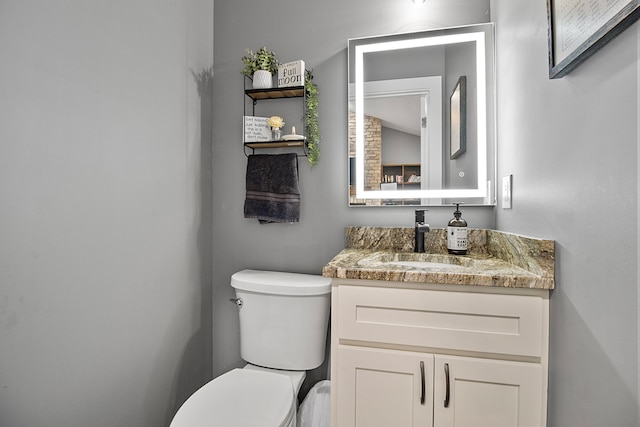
column 280, row 283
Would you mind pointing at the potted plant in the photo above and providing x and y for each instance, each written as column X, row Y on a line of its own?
column 260, row 66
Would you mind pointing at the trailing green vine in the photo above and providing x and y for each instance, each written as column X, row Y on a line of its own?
column 311, row 118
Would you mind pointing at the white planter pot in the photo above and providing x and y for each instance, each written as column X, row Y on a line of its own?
column 262, row 80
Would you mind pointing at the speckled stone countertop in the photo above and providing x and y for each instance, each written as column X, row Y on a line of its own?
column 494, row 258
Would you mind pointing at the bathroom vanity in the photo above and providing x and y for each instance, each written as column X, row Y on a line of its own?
column 435, row 339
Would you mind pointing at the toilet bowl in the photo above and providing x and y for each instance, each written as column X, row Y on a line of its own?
column 241, row 398
column 283, row 325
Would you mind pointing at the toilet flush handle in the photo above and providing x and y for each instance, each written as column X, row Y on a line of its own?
column 237, row 301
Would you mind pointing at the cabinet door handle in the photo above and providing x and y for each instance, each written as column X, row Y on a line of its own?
column 422, row 395
column 447, row 390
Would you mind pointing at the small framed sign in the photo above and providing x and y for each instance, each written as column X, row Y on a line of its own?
column 256, row 129
column 291, row 74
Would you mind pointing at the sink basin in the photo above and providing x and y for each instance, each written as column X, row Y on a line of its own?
column 416, row 261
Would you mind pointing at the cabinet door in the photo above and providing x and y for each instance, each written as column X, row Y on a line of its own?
column 490, row 393
column 384, row 388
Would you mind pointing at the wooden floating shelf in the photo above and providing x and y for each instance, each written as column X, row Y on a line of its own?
column 275, row 144
column 275, row 93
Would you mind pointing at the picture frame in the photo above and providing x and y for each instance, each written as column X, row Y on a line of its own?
column 579, row 28
column 256, row 129
column 458, row 119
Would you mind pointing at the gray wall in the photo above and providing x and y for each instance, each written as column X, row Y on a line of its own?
column 399, row 147
column 316, row 32
column 571, row 145
column 105, row 313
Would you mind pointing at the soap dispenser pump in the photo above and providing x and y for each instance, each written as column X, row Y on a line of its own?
column 457, row 233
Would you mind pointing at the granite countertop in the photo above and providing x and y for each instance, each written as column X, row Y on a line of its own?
column 494, row 258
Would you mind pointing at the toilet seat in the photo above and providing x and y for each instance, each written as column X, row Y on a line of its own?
column 242, row 398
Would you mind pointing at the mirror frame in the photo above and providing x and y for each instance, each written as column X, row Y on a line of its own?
column 483, row 36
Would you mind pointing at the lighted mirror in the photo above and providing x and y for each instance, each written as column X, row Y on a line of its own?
column 422, row 119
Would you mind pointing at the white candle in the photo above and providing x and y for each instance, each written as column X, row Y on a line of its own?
column 293, row 130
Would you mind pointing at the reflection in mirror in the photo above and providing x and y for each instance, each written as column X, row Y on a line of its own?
column 417, row 136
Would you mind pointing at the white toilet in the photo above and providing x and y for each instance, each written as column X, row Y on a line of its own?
column 283, row 328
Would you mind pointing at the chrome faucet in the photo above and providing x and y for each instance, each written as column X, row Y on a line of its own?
column 420, row 229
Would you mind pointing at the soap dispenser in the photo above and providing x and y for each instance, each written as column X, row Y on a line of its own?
column 457, row 233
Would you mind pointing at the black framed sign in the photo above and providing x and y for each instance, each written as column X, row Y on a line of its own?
column 458, row 115
column 578, row 28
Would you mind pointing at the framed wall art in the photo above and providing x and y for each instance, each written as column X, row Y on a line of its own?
column 578, row 28
column 458, row 115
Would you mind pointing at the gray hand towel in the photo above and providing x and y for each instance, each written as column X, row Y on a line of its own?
column 272, row 188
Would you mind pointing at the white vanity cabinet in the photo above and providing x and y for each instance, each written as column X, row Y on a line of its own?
column 438, row 355
column 380, row 387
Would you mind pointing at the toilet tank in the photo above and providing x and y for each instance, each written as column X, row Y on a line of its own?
column 283, row 318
